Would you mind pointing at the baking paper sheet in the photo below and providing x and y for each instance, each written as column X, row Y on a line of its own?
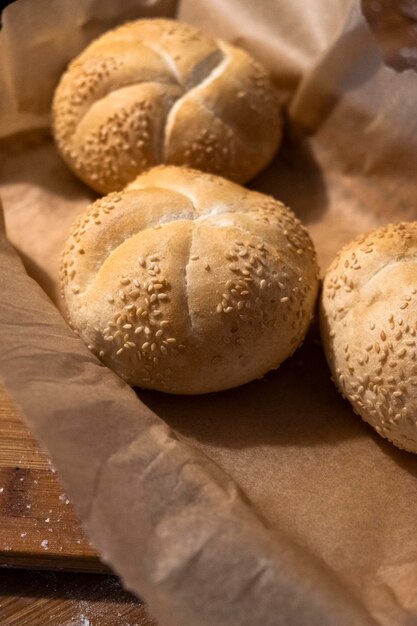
column 272, row 503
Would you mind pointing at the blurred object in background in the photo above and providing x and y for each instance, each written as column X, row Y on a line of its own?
column 394, row 24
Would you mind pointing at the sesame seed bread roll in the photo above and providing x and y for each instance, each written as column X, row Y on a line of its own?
column 159, row 91
column 369, row 325
column 188, row 283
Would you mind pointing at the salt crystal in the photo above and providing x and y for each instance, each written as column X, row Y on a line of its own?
column 45, row 544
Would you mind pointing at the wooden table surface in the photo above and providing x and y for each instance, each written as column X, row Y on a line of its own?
column 38, row 525
column 39, row 531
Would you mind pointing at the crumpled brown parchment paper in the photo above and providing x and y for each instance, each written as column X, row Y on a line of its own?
column 272, row 503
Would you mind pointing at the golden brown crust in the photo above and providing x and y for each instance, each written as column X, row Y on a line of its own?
column 188, row 283
column 160, row 91
column 369, row 326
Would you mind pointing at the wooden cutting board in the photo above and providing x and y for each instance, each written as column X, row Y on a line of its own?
column 38, row 525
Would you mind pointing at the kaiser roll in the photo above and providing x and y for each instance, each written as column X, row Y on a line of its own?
column 188, row 283
column 159, row 91
column 369, row 325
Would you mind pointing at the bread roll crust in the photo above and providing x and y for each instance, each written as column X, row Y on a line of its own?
column 368, row 317
column 160, row 91
column 188, row 283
